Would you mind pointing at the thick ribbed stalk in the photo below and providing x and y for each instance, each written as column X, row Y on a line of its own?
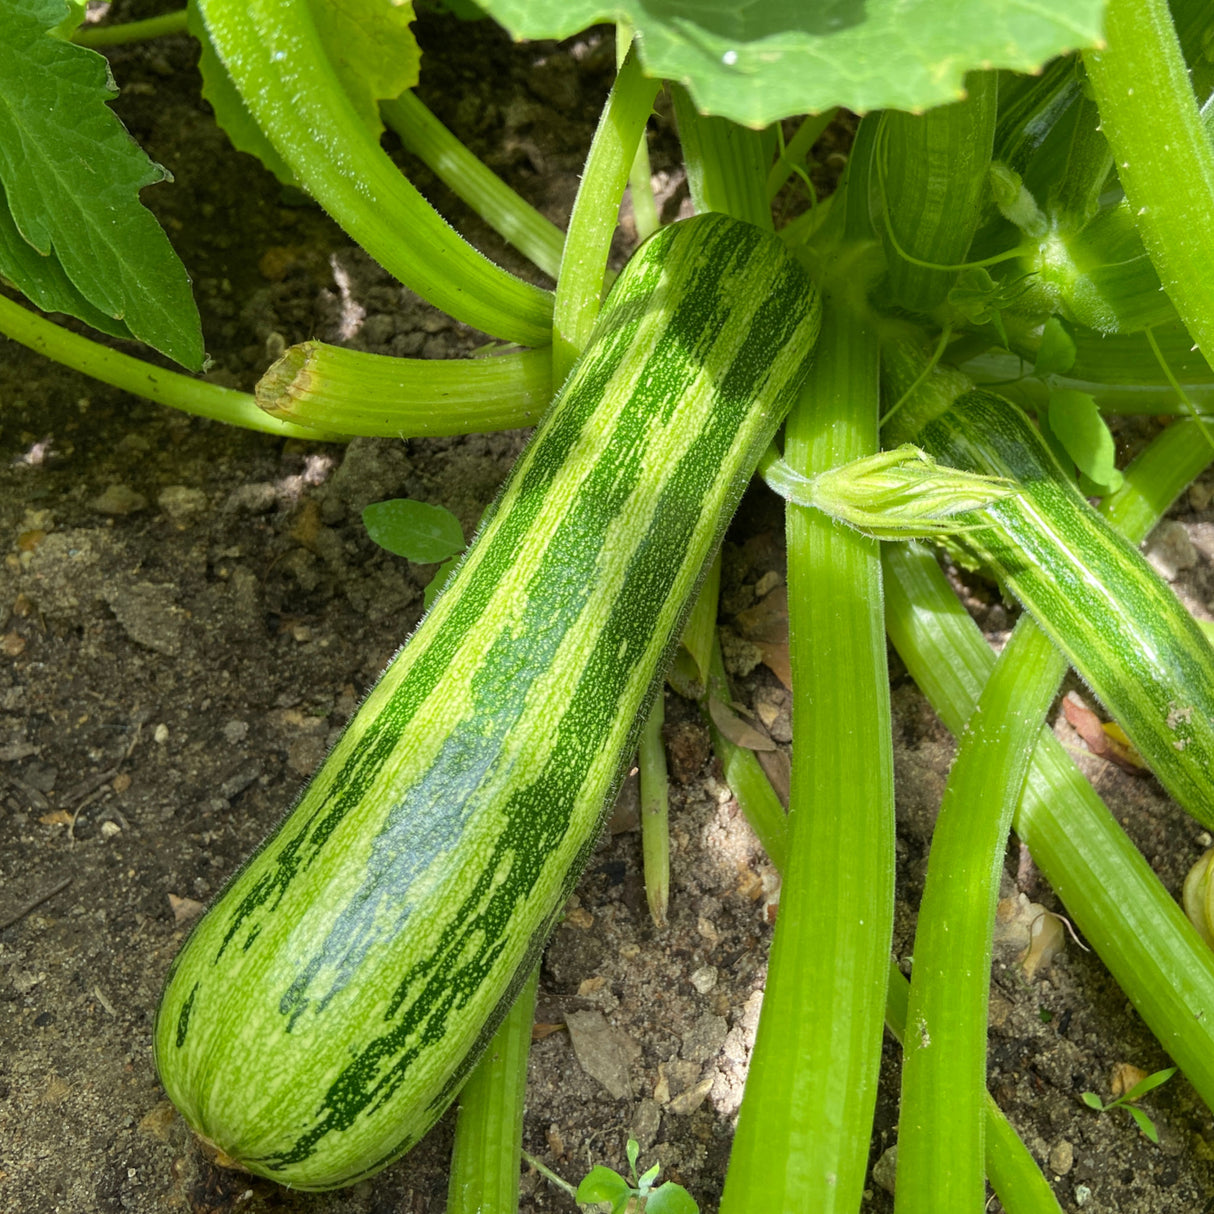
column 1164, row 159
column 942, row 1120
column 726, row 163
column 1108, row 889
column 806, row 1119
column 469, row 178
column 142, row 378
column 935, row 178
column 341, row 391
column 275, row 58
column 489, row 1132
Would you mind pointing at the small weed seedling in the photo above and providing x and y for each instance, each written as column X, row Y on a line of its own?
column 1126, row 1101
column 602, row 1184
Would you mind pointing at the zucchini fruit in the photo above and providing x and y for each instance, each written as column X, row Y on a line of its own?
column 1118, row 623
column 326, row 1009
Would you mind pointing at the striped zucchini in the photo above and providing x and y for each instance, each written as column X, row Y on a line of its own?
column 325, row 1010
column 1117, row 622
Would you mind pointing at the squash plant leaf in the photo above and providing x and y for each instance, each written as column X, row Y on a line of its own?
column 71, row 177
column 372, row 52
column 756, row 63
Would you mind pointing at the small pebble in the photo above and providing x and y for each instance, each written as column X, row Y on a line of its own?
column 1062, row 1157
column 704, row 979
column 885, row 1169
column 160, row 735
column 120, row 500
column 180, row 502
column 110, row 829
column 235, row 731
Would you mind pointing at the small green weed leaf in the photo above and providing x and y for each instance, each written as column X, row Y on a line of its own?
column 1077, row 424
column 602, row 1184
column 646, row 1181
column 1143, row 1086
column 1093, row 1101
column 671, row 1198
column 1144, row 1123
column 438, row 581
column 1056, row 354
column 632, row 1149
column 756, row 63
column 415, row 530
column 72, row 177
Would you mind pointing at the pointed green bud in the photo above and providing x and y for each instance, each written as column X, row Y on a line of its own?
column 893, row 495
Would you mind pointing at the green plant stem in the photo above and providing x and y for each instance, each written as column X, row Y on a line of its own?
column 275, row 58
column 655, row 810
column 941, row 1121
column 700, row 630
column 1010, row 1167
column 1164, row 159
column 331, row 388
column 469, row 178
column 936, row 167
column 141, row 378
column 806, row 1117
column 596, row 212
column 1171, row 461
column 97, row 36
column 489, row 1129
column 795, row 151
column 745, row 776
column 1047, row 821
column 1012, row 1171
column 1108, row 889
column 726, row 163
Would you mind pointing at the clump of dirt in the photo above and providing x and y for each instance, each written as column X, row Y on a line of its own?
column 189, row 614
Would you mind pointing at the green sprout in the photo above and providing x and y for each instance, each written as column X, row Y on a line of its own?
column 1126, row 1101
column 603, row 1185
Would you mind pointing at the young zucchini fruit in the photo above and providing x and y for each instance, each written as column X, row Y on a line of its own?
column 324, row 1012
column 1118, row 623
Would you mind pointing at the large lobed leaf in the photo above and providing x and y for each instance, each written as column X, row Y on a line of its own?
column 763, row 60
column 74, row 236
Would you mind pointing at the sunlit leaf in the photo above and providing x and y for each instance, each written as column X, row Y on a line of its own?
column 756, row 63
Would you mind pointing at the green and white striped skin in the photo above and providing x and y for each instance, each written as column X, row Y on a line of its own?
column 325, row 1010
column 1118, row 623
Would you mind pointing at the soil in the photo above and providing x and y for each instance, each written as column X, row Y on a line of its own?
column 190, row 613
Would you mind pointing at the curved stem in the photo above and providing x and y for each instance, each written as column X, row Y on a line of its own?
column 330, row 388
column 97, row 36
column 469, row 178
column 141, row 378
column 274, row 56
column 596, row 212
